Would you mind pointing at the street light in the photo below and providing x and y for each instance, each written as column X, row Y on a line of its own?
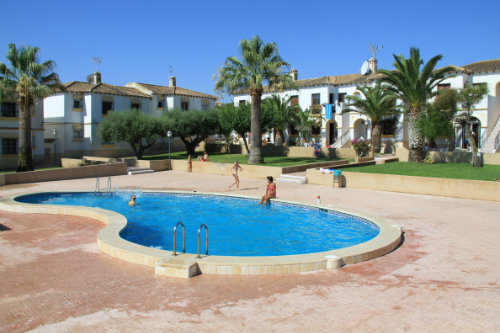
column 54, row 132
column 169, row 135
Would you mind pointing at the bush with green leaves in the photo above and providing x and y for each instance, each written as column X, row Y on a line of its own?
column 139, row 130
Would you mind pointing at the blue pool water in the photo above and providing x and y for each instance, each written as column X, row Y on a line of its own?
column 237, row 226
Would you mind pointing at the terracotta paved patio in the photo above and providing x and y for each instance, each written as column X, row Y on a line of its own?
column 443, row 278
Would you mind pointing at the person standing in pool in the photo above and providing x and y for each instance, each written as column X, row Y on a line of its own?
column 132, row 202
column 234, row 170
column 270, row 191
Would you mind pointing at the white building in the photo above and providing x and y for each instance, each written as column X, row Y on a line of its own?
column 9, row 134
column 337, row 129
column 76, row 112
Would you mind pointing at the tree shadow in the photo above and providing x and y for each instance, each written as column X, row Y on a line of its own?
column 4, row 228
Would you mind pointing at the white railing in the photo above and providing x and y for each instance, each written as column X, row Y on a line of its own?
column 497, row 142
column 483, row 138
column 342, row 140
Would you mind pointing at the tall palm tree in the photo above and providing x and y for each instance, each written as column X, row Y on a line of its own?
column 282, row 113
column 377, row 103
column 26, row 81
column 260, row 63
column 414, row 87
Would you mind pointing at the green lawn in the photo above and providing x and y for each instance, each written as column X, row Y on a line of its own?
column 14, row 171
column 278, row 161
column 438, row 170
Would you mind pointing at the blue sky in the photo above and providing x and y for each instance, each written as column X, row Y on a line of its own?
column 139, row 40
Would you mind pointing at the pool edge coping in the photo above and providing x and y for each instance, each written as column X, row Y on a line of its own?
column 188, row 265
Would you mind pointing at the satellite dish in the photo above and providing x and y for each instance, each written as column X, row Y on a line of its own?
column 365, row 68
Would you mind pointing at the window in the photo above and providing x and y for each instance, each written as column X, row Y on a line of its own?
column 160, row 105
column 294, row 100
column 106, row 107
column 342, row 97
column 9, row 109
column 444, row 86
column 482, row 84
column 9, row 146
column 77, row 133
column 330, row 99
column 77, row 104
column 205, row 107
column 136, row 106
column 243, row 102
column 389, row 126
column 184, row 106
column 315, row 99
column 316, row 130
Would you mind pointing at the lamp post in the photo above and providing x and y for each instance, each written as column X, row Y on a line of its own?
column 54, row 132
column 169, row 135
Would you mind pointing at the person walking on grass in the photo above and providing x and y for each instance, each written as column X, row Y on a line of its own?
column 234, row 170
column 270, row 191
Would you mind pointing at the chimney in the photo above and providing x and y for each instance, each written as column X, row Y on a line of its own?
column 94, row 78
column 372, row 64
column 294, row 74
column 171, row 81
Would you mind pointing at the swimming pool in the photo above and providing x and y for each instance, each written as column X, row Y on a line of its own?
column 237, row 226
column 187, row 265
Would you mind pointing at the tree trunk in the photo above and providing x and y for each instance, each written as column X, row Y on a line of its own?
column 376, row 137
column 415, row 139
column 190, row 145
column 25, row 157
column 279, row 138
column 255, row 156
column 245, row 142
column 451, row 143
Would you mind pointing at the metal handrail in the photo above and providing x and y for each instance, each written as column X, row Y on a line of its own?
column 342, row 140
column 108, row 186
column 497, row 141
column 183, row 238
column 206, row 240
column 97, row 186
column 484, row 136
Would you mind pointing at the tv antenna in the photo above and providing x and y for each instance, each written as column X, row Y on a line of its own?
column 96, row 62
column 171, row 70
column 374, row 49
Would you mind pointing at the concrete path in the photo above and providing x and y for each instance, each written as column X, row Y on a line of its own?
column 443, row 278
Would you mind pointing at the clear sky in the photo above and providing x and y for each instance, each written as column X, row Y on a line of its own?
column 138, row 40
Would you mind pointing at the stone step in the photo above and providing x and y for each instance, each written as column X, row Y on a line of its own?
column 138, row 171
column 176, row 268
column 291, row 179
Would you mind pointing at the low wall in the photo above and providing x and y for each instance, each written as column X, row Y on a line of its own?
column 249, row 171
column 65, row 173
column 299, row 168
column 492, row 159
column 71, row 162
column 156, row 165
column 456, row 188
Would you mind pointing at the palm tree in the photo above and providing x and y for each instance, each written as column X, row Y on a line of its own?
column 377, row 103
column 26, row 80
column 414, row 87
column 260, row 63
column 282, row 113
column 304, row 121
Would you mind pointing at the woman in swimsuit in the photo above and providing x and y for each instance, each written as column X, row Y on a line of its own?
column 234, row 170
column 270, row 191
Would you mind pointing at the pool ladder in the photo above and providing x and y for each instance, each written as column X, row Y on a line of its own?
column 184, row 239
column 98, row 187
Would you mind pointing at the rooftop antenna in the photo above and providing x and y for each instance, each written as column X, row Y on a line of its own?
column 374, row 49
column 96, row 62
column 171, row 70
